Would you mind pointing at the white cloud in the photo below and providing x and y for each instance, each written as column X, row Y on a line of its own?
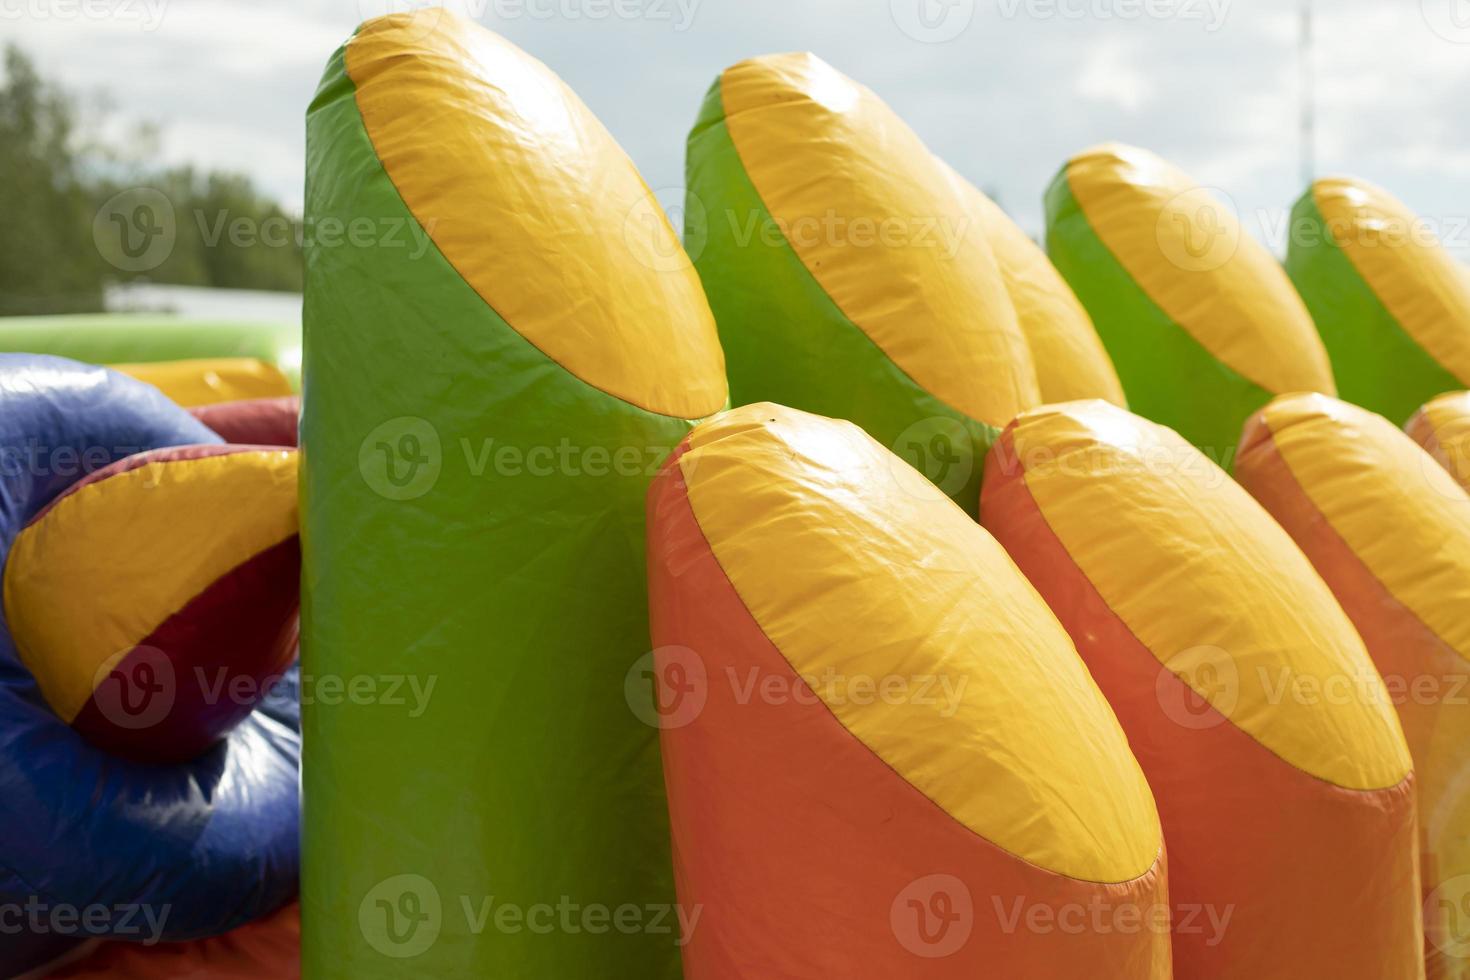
column 1006, row 101
column 1110, row 76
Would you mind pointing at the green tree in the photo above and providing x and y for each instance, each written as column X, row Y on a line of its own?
column 48, row 263
column 54, row 186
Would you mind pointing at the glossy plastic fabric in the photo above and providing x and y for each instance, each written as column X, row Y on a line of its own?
column 845, row 271
column 794, row 565
column 253, row 421
column 1392, row 305
column 473, row 520
column 1338, row 478
column 1442, row 429
column 1071, row 362
column 269, row 948
column 185, row 565
column 1198, row 317
column 112, row 338
column 1280, row 771
column 213, row 841
column 208, row 381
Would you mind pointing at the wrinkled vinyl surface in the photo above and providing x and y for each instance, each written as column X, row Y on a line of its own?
column 845, row 271
column 788, row 550
column 204, row 846
column 1392, row 304
column 478, row 443
column 110, row 338
column 1200, row 321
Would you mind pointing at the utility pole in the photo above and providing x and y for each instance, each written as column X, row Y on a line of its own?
column 1308, row 96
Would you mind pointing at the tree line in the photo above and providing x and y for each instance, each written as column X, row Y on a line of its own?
column 80, row 212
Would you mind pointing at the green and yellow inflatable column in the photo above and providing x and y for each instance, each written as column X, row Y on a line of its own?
column 1392, row 305
column 496, row 366
column 845, row 270
column 1201, row 322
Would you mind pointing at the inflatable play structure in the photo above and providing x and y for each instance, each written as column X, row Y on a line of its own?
column 194, row 362
column 904, row 327
column 1199, row 318
column 523, row 396
column 1442, row 429
column 1015, row 782
column 802, row 599
column 1393, row 306
column 1295, row 814
column 149, row 772
column 1335, row 476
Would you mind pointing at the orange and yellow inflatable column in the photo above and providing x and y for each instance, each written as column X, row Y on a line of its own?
column 1442, row 428
column 883, row 755
column 1289, row 815
column 1389, row 530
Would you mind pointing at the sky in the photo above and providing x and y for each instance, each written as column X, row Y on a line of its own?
column 1005, row 90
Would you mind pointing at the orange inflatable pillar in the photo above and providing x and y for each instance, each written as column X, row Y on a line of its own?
column 1288, row 814
column 1389, row 531
column 883, row 756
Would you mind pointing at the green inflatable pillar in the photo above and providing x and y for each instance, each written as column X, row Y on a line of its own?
column 503, row 341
